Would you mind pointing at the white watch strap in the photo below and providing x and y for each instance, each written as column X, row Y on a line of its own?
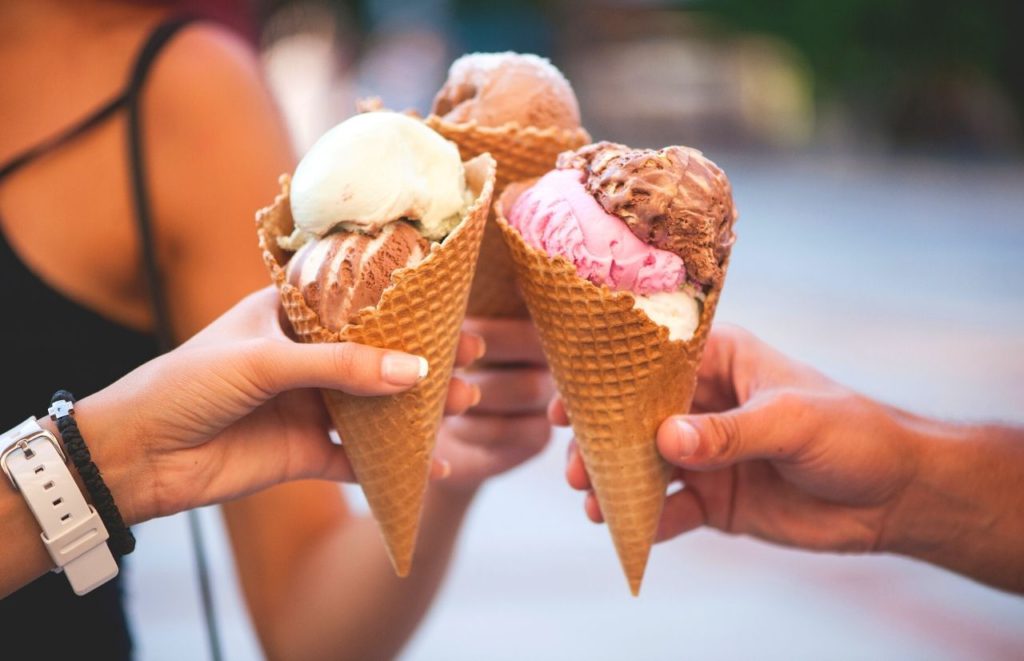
column 73, row 533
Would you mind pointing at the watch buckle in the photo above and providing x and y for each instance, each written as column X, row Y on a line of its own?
column 23, row 445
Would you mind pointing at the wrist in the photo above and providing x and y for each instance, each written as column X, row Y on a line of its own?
column 935, row 511
column 115, row 454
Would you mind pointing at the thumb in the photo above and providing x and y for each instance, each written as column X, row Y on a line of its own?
column 281, row 365
column 716, row 440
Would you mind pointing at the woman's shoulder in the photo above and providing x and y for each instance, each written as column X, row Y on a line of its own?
column 215, row 140
column 206, row 103
column 207, row 64
column 215, row 147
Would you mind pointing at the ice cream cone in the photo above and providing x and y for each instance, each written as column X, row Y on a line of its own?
column 389, row 440
column 521, row 153
column 620, row 377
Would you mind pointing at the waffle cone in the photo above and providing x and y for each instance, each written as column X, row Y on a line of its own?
column 619, row 376
column 389, row 440
column 522, row 153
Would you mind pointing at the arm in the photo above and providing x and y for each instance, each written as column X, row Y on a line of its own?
column 965, row 509
column 340, row 598
column 219, row 405
column 778, row 451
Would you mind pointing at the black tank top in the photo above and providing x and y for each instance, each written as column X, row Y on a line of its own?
column 52, row 342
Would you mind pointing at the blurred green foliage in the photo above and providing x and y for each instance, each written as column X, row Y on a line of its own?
column 878, row 42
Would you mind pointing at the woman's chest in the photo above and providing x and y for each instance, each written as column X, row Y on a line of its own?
column 69, row 218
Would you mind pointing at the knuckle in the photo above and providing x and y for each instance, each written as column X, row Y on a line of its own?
column 836, row 401
column 501, row 429
column 734, row 336
column 536, row 389
column 726, row 437
column 536, row 433
column 256, row 361
column 811, row 408
column 791, row 399
column 346, row 359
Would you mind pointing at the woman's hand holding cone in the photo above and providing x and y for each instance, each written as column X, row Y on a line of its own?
column 507, row 425
column 235, row 409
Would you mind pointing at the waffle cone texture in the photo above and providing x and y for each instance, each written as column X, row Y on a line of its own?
column 521, row 153
column 619, row 376
column 389, row 440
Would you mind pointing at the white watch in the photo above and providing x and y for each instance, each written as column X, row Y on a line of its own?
column 72, row 532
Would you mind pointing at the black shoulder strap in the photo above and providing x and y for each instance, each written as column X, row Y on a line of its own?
column 94, row 118
column 137, row 162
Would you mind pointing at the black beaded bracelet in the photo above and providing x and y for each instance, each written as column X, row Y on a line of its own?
column 122, row 541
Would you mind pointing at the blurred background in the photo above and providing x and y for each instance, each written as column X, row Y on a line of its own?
column 875, row 153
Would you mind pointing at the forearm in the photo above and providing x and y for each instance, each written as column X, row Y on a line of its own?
column 345, row 601
column 24, row 556
column 965, row 508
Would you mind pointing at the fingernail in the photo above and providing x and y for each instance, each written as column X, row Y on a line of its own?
column 402, row 369
column 687, row 439
column 476, row 396
column 446, row 469
column 481, row 350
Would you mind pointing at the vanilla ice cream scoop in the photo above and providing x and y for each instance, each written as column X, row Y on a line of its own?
column 678, row 311
column 373, row 169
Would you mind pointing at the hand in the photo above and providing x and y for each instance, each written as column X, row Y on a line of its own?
column 507, row 425
column 233, row 410
column 778, row 451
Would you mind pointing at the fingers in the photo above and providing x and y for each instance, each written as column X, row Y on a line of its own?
column 716, row 374
column 575, row 471
column 512, row 390
column 556, row 412
column 440, row 469
column 471, row 348
column 461, row 397
column 279, row 365
column 682, row 513
column 592, row 508
column 337, row 467
column 490, row 430
column 479, row 447
column 508, row 340
column 772, row 427
column 683, row 510
column 576, row 476
column 737, row 366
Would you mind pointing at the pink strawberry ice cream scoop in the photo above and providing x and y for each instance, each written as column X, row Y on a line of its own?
column 673, row 198
column 559, row 216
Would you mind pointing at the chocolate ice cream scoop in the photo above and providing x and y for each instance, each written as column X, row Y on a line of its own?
column 494, row 89
column 672, row 198
column 345, row 272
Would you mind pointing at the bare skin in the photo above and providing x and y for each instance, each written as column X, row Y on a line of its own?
column 215, row 146
column 237, row 394
column 780, row 452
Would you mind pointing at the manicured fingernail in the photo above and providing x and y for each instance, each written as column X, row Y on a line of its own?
column 687, row 439
column 401, row 369
column 446, row 469
column 476, row 396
